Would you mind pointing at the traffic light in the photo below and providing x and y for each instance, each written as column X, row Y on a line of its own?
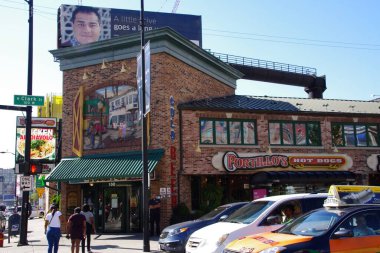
column 35, row 168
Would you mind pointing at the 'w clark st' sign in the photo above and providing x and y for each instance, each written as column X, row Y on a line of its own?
column 231, row 161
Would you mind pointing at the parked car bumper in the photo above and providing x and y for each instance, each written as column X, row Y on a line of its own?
column 172, row 246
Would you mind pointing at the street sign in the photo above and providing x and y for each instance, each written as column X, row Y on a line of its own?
column 28, row 100
column 26, row 183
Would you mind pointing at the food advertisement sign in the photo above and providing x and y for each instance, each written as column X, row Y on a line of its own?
column 43, row 139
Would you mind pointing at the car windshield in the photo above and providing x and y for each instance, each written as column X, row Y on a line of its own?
column 312, row 224
column 248, row 213
column 213, row 213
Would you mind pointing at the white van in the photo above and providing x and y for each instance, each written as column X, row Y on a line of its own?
column 261, row 215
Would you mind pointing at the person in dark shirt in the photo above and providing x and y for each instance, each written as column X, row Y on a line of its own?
column 154, row 214
column 76, row 229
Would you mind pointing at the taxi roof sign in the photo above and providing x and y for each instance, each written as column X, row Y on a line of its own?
column 351, row 195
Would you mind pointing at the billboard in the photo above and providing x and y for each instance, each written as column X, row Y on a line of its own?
column 84, row 24
column 43, row 139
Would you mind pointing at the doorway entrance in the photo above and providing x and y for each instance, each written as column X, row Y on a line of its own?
column 117, row 207
column 114, row 209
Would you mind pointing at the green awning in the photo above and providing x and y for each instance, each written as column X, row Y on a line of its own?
column 104, row 166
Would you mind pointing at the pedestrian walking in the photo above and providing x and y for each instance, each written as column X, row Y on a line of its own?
column 53, row 221
column 154, row 214
column 76, row 229
column 90, row 227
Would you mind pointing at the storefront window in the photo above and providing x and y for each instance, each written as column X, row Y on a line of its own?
column 373, row 136
column 249, row 133
column 349, row 135
column 287, row 134
column 354, row 135
column 221, row 132
column 226, row 131
column 337, row 135
column 361, row 135
column 207, row 131
column 295, row 133
column 235, row 133
column 300, row 134
column 314, row 134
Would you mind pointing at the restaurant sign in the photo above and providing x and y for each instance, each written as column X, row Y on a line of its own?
column 231, row 161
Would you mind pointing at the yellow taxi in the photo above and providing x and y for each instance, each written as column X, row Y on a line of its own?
column 348, row 223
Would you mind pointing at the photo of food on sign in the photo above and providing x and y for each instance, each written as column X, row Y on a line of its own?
column 42, row 147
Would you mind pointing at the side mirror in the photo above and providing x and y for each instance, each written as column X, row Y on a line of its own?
column 342, row 233
column 223, row 217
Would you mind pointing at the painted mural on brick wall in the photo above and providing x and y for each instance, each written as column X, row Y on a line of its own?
column 111, row 118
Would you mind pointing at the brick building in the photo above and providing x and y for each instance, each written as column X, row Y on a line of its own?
column 207, row 146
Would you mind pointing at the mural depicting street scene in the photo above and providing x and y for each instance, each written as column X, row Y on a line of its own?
column 111, row 118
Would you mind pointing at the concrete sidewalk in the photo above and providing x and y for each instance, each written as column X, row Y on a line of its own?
column 99, row 243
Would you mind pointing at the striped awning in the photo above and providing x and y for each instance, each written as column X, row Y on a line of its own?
column 104, row 166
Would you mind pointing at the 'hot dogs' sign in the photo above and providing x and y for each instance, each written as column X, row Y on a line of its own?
column 231, row 161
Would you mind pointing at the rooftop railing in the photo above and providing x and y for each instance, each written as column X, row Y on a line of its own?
column 251, row 62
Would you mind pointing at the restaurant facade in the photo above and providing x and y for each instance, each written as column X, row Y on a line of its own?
column 206, row 145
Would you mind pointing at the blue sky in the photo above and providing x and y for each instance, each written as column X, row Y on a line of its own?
column 341, row 39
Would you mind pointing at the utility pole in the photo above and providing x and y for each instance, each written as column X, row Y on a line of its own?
column 25, row 194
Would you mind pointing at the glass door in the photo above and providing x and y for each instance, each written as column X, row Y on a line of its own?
column 114, row 210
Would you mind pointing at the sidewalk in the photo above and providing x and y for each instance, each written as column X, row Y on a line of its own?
column 99, row 243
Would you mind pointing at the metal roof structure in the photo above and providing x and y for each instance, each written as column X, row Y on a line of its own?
column 244, row 103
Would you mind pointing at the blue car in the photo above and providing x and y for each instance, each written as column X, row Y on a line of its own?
column 173, row 238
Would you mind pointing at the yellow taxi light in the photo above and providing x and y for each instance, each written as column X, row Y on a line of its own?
column 348, row 195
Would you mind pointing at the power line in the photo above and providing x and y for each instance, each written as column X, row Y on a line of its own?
column 294, row 38
column 23, row 3
column 293, row 42
column 36, row 11
column 162, row 5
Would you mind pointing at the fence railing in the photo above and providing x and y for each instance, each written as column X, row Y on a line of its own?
column 251, row 62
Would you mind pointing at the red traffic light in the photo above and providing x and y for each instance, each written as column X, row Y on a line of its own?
column 35, row 169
